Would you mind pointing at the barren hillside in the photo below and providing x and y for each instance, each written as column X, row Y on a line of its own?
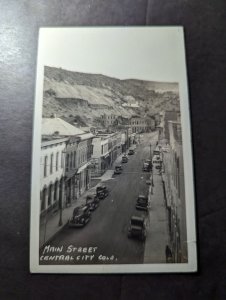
column 88, row 96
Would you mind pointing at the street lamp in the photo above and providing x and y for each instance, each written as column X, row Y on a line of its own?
column 60, row 220
column 61, row 203
column 152, row 184
column 62, row 189
column 150, row 153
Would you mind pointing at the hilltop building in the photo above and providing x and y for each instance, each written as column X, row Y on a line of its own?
column 132, row 105
column 141, row 124
column 109, row 120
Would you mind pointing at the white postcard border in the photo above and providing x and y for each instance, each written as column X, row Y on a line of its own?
column 191, row 266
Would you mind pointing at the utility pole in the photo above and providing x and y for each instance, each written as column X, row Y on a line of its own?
column 152, row 184
column 60, row 220
column 61, row 204
column 150, row 152
column 152, row 181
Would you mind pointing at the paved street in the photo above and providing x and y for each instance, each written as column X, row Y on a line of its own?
column 107, row 229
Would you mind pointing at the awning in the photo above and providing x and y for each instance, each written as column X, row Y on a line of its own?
column 83, row 167
column 69, row 174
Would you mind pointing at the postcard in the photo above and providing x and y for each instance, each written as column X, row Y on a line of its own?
column 112, row 169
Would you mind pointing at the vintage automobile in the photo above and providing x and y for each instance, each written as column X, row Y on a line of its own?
column 142, row 203
column 157, row 162
column 158, row 167
column 81, row 216
column 131, row 152
column 165, row 149
column 137, row 228
column 118, row 170
column 124, row 159
column 102, row 192
column 148, row 161
column 92, row 201
column 146, row 167
column 156, row 152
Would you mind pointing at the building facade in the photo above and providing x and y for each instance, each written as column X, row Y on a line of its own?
column 52, row 171
column 75, row 171
column 106, row 148
column 100, row 157
column 169, row 116
column 173, row 179
column 109, row 120
column 139, row 124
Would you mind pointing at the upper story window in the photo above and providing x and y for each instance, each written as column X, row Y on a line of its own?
column 71, row 160
column 67, row 162
column 62, row 159
column 74, row 159
column 45, row 165
column 57, row 160
column 51, row 164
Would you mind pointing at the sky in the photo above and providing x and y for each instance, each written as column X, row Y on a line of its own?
column 147, row 53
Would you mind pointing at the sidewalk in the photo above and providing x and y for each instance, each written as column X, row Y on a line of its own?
column 157, row 225
column 49, row 226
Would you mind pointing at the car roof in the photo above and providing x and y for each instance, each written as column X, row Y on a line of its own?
column 91, row 195
column 137, row 218
column 101, row 187
column 90, row 198
column 80, row 208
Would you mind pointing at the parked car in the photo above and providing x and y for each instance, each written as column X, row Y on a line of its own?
column 137, row 228
column 165, row 149
column 142, row 202
column 148, row 161
column 124, row 159
column 81, row 216
column 156, row 152
column 102, row 192
column 118, row 170
column 158, row 167
column 146, row 167
column 157, row 162
column 92, row 201
column 131, row 152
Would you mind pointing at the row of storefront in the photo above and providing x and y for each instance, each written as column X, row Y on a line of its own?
column 69, row 158
column 107, row 147
column 174, row 190
column 64, row 165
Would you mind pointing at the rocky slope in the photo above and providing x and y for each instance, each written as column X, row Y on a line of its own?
column 88, row 96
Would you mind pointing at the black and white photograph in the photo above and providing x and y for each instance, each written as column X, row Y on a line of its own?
column 112, row 169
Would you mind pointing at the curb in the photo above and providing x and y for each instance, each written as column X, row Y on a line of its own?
column 52, row 237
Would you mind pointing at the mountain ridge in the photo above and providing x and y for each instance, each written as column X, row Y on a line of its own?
column 67, row 93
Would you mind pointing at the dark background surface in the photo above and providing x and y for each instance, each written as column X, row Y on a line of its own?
column 204, row 23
